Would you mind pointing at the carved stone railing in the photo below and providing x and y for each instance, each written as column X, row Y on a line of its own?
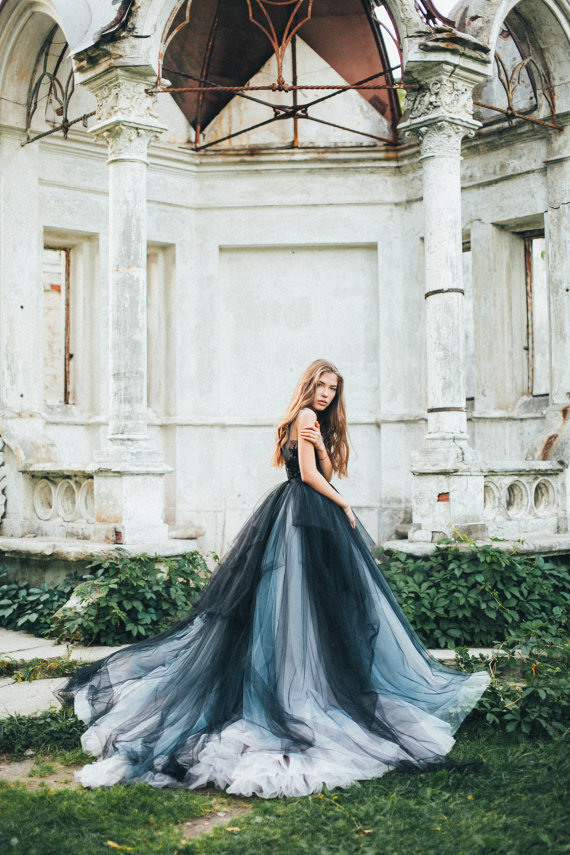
column 63, row 502
column 67, row 499
column 525, row 497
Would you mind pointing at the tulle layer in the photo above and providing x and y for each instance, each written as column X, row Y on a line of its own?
column 296, row 669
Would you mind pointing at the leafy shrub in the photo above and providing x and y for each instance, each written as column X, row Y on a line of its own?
column 29, row 609
column 48, row 731
column 131, row 599
column 473, row 594
column 530, row 691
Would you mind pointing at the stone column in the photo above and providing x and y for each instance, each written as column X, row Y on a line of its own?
column 128, row 472
column 552, row 442
column 448, row 482
column 127, row 123
column 440, row 117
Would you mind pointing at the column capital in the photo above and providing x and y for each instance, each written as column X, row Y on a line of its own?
column 127, row 116
column 128, row 140
column 441, row 137
column 441, row 113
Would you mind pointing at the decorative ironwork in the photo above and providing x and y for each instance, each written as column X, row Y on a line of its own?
column 300, row 14
column 292, row 26
column 511, row 81
column 280, row 112
column 51, row 89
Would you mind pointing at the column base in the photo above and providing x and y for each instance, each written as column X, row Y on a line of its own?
column 130, row 454
column 129, row 504
column 445, row 451
column 444, row 502
column 448, row 490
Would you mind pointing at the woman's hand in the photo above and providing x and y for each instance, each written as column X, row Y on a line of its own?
column 312, row 433
column 351, row 518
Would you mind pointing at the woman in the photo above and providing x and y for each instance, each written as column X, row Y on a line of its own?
column 297, row 668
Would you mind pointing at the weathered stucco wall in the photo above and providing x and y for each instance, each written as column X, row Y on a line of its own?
column 258, row 263
column 261, row 267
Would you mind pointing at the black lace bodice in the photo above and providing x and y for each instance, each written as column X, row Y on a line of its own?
column 291, row 458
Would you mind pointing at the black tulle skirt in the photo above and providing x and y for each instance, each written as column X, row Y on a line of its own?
column 296, row 669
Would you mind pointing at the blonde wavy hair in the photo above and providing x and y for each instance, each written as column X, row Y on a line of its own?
column 332, row 421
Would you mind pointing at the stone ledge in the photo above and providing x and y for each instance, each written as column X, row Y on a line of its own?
column 87, row 550
column 30, row 698
column 515, row 467
column 536, row 543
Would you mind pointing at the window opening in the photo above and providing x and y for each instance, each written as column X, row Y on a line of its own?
column 538, row 326
column 57, row 325
column 392, row 46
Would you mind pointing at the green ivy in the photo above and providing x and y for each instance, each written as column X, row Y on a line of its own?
column 48, row 731
column 29, row 609
column 119, row 601
column 131, row 599
column 530, row 689
column 469, row 595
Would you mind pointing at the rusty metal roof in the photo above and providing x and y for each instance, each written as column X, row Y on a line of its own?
column 220, row 44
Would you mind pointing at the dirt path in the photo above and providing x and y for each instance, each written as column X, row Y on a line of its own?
column 33, row 773
column 230, row 814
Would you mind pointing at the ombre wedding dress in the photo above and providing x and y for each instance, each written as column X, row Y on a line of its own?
column 297, row 668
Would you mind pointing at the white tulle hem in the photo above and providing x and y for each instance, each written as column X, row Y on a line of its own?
column 246, row 760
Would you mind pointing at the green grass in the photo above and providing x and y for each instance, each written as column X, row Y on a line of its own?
column 76, row 822
column 516, row 804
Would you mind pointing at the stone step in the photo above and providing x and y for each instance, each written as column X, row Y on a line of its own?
column 21, row 645
column 29, row 698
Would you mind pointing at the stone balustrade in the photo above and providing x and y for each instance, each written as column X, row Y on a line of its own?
column 63, row 503
column 525, row 497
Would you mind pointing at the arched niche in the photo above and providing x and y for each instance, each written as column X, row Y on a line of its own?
column 540, row 29
column 35, row 66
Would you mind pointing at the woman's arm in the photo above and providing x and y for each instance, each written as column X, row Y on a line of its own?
column 309, row 473
column 313, row 434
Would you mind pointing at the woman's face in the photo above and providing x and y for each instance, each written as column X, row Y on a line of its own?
column 325, row 391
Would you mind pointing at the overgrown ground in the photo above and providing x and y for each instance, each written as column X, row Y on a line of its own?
column 516, row 803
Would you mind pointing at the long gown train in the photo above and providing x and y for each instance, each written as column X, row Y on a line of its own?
column 297, row 668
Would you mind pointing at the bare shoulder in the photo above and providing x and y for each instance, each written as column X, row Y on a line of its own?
column 306, row 416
